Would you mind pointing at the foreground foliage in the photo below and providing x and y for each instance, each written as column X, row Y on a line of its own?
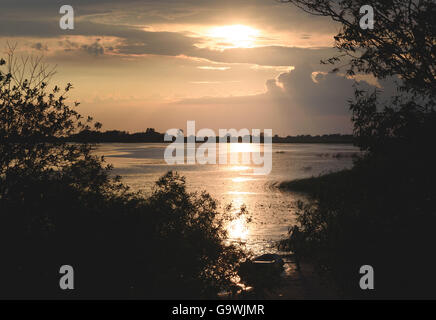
column 59, row 205
column 382, row 212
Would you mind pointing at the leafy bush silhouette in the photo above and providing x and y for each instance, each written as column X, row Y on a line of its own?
column 382, row 212
column 60, row 205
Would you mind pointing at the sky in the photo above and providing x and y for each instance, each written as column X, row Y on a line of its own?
column 158, row 63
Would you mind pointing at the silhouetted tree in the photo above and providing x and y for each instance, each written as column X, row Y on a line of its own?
column 33, row 117
column 382, row 211
column 402, row 42
column 60, row 205
column 401, row 47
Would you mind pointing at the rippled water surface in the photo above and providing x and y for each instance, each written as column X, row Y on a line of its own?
column 271, row 211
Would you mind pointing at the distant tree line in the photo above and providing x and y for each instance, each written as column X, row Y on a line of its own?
column 325, row 138
column 151, row 135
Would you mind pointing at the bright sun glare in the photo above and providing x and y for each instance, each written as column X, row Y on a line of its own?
column 238, row 229
column 235, row 35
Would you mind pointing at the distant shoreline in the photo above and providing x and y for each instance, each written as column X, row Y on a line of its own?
column 198, row 142
column 152, row 136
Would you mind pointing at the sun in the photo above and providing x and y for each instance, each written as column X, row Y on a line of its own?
column 238, row 35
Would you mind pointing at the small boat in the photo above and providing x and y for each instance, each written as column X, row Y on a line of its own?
column 269, row 260
column 262, row 272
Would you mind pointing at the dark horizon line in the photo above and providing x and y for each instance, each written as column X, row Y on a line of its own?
column 152, row 136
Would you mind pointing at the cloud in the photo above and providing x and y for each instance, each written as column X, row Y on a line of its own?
column 296, row 102
column 275, row 15
column 127, row 22
column 39, row 46
column 313, row 92
column 316, row 92
column 136, row 41
column 213, row 68
column 94, row 49
column 266, row 56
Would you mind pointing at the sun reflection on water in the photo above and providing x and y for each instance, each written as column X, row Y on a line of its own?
column 239, row 168
column 240, row 192
column 241, row 179
column 238, row 228
column 244, row 147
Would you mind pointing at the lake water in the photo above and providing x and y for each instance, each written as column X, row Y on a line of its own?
column 271, row 211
